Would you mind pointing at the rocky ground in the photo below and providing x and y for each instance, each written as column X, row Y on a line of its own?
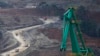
column 7, row 23
column 44, row 41
column 8, row 42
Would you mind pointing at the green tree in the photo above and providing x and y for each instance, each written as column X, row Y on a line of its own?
column 88, row 26
column 5, row 5
column 1, row 35
column 82, row 13
column 43, row 5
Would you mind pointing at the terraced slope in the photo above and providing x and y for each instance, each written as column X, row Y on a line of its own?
column 8, row 42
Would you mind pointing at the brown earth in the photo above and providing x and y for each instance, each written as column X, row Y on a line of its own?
column 28, row 11
column 54, row 33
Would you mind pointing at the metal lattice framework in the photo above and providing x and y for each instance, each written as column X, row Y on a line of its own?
column 70, row 25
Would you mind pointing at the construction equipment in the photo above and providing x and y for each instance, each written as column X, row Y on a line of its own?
column 70, row 25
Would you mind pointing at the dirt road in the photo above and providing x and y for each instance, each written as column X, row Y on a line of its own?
column 24, row 44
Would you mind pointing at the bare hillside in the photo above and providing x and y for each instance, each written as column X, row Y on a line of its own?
column 89, row 4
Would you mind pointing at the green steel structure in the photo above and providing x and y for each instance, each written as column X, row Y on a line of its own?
column 71, row 26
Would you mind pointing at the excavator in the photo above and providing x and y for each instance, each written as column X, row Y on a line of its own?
column 71, row 28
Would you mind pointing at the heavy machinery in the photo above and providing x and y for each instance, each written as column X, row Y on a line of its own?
column 71, row 25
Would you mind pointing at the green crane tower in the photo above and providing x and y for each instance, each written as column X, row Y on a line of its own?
column 70, row 25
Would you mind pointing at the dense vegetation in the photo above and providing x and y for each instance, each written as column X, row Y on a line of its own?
column 88, row 26
column 50, row 9
column 5, row 5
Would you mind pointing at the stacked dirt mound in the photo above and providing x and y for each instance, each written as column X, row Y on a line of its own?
column 38, row 42
column 11, row 22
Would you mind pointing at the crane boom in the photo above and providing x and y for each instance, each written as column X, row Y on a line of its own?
column 70, row 25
